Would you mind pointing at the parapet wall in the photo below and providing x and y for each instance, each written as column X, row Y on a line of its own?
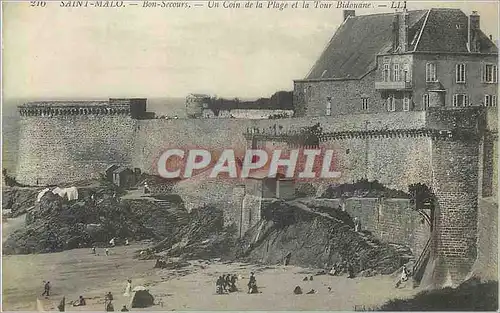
column 390, row 220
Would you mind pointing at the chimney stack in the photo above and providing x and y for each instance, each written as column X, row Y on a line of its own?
column 348, row 13
column 474, row 26
column 395, row 33
column 403, row 31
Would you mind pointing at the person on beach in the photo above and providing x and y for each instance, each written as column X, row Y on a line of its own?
column 128, row 289
column 124, row 309
column 404, row 277
column 219, row 286
column 112, row 242
column 252, row 284
column 233, row 287
column 46, row 289
column 126, row 242
column 93, row 250
column 107, row 251
column 223, row 282
column 227, row 282
column 108, row 305
column 80, row 302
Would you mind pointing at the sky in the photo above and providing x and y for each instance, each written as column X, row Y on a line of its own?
column 55, row 52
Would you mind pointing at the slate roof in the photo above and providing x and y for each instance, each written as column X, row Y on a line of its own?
column 351, row 53
column 446, row 30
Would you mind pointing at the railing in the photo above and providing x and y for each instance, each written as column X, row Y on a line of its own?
column 398, row 85
column 422, row 261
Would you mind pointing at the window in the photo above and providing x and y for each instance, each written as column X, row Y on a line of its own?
column 460, row 73
column 364, row 104
column 391, row 106
column 406, row 73
column 406, row 103
column 490, row 100
column 460, row 100
column 430, row 72
column 425, row 101
column 387, row 72
column 328, row 106
column 395, row 72
column 489, row 73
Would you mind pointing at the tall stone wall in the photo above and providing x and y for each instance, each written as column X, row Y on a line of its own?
column 155, row 136
column 68, row 148
column 390, row 220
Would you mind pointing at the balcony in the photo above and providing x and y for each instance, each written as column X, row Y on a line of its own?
column 393, row 85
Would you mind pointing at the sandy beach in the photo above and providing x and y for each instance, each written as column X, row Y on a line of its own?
column 78, row 272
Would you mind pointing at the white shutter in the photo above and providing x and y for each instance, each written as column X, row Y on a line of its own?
column 483, row 72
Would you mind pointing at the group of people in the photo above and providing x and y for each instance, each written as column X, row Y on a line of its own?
column 111, row 243
column 226, row 283
column 108, row 299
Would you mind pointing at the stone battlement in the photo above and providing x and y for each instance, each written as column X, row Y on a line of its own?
column 83, row 107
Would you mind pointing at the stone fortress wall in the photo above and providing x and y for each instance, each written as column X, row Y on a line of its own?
column 443, row 148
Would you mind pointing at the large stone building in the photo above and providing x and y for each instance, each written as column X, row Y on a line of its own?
column 404, row 61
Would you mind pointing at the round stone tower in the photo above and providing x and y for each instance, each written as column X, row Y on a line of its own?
column 455, row 170
column 68, row 141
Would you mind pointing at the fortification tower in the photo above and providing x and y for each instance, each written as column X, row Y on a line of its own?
column 455, row 182
column 195, row 103
column 65, row 141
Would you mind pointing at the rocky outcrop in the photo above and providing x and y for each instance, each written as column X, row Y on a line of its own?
column 293, row 233
column 202, row 237
column 17, row 200
column 56, row 224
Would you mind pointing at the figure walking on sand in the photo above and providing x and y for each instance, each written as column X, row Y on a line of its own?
column 107, row 251
column 128, row 289
column 112, row 242
column 46, row 289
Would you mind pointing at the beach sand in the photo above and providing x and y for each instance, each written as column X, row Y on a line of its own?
column 78, row 272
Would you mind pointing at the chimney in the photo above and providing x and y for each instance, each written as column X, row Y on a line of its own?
column 403, row 31
column 474, row 32
column 348, row 13
column 395, row 33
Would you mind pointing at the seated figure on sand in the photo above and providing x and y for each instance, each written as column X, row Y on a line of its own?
column 80, row 302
